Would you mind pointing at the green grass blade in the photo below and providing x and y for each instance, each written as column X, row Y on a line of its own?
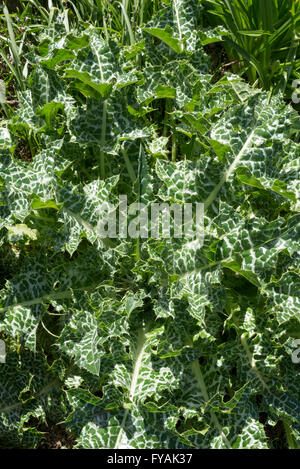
column 251, row 59
column 13, row 44
column 127, row 21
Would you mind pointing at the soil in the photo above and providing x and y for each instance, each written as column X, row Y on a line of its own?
column 23, row 151
column 276, row 435
column 56, row 437
column 220, row 62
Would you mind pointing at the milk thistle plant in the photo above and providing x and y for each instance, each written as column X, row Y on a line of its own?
column 146, row 342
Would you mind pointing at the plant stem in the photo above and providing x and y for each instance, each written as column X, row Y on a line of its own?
column 290, row 439
column 169, row 122
column 201, row 383
column 103, row 135
column 130, row 32
column 129, row 166
column 166, row 117
column 137, row 364
column 174, row 149
column 199, row 377
column 142, row 7
column 252, row 362
column 226, row 175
